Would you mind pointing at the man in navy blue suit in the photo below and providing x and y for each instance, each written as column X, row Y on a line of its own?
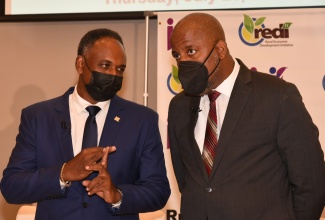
column 49, row 166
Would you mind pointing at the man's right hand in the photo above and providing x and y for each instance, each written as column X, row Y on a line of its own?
column 74, row 170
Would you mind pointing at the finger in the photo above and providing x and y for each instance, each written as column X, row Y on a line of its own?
column 104, row 158
column 86, row 183
column 94, row 186
column 108, row 150
column 99, row 190
column 91, row 150
column 95, row 155
column 111, row 149
column 95, row 167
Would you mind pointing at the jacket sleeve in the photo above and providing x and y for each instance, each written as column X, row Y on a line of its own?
column 23, row 181
column 302, row 154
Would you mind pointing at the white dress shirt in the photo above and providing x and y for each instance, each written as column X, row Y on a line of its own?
column 79, row 115
column 225, row 89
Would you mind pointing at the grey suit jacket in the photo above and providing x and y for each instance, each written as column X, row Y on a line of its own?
column 269, row 163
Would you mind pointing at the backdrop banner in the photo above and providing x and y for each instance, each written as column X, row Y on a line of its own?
column 286, row 43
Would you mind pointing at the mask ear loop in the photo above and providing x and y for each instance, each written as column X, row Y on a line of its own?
column 208, row 58
column 86, row 64
column 209, row 53
column 214, row 68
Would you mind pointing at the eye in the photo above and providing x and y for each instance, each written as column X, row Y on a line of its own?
column 191, row 52
column 176, row 55
column 104, row 65
column 120, row 69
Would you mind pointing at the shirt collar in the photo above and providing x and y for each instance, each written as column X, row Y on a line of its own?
column 227, row 85
column 81, row 104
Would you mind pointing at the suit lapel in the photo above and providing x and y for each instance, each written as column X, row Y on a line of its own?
column 114, row 120
column 238, row 99
column 63, row 126
column 195, row 103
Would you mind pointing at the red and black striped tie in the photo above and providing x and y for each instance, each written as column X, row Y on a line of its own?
column 211, row 141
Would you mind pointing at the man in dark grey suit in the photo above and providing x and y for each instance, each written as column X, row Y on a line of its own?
column 268, row 163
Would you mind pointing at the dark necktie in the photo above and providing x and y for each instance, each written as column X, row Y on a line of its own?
column 90, row 132
column 211, row 141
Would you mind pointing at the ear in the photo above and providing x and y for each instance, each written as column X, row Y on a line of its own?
column 222, row 49
column 79, row 64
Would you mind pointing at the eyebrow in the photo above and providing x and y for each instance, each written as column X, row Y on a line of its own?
column 110, row 62
column 189, row 46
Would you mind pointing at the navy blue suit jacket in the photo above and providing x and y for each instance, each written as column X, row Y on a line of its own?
column 44, row 144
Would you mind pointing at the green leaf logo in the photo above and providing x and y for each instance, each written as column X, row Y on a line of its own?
column 175, row 73
column 259, row 21
column 248, row 24
column 286, row 25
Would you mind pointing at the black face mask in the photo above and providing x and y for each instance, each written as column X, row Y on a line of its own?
column 194, row 76
column 103, row 87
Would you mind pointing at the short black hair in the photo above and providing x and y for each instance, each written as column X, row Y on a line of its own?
column 88, row 40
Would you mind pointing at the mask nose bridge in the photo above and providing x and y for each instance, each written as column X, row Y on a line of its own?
column 183, row 58
column 112, row 70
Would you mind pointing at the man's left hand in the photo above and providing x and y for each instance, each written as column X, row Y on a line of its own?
column 102, row 185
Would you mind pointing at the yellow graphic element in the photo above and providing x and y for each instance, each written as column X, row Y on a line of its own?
column 249, row 38
column 117, row 119
column 175, row 86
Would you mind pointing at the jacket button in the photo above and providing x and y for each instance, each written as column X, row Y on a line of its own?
column 85, row 204
column 208, row 189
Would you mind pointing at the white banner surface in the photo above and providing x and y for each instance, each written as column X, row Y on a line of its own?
column 16, row 7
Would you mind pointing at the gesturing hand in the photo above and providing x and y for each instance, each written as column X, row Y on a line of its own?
column 102, row 185
column 74, row 170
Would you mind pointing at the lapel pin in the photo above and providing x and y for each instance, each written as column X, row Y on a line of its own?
column 117, row 119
